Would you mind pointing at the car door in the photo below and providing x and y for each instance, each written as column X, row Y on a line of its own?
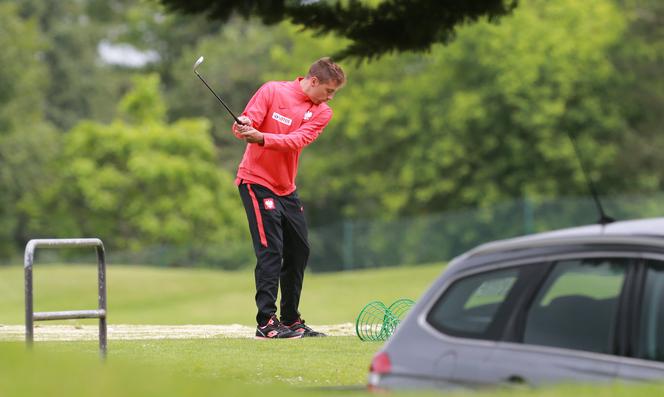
column 647, row 351
column 467, row 317
column 567, row 331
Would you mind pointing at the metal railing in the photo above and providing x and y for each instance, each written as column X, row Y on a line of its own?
column 100, row 313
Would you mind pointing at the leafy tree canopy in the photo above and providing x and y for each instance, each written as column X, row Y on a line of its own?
column 144, row 183
column 481, row 121
column 27, row 144
column 375, row 28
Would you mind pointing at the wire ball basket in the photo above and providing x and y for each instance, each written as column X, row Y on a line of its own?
column 377, row 322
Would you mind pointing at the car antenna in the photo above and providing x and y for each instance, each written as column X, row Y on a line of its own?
column 603, row 218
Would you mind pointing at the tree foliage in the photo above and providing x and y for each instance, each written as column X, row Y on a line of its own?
column 375, row 28
column 87, row 150
column 77, row 85
column 480, row 121
column 21, row 74
column 28, row 145
column 80, row 84
column 141, row 183
column 640, row 60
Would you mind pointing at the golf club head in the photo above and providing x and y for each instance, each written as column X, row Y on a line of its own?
column 198, row 63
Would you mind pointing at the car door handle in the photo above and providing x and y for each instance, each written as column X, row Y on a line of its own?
column 516, row 380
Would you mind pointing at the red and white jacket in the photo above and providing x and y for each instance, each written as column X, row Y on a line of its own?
column 289, row 121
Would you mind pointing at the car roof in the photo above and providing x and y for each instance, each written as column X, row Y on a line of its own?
column 641, row 231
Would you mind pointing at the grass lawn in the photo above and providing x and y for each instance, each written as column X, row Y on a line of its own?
column 149, row 295
column 224, row 367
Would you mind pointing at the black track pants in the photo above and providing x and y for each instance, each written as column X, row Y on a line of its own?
column 279, row 233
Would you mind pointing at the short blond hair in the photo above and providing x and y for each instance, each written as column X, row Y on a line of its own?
column 326, row 70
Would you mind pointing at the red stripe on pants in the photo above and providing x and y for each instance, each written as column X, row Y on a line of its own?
column 259, row 218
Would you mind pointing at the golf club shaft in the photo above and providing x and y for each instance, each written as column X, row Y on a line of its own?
column 217, row 96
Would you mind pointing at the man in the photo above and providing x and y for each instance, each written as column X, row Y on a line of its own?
column 280, row 119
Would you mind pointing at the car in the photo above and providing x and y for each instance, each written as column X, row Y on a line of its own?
column 583, row 304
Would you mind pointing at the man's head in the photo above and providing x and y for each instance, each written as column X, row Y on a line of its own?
column 324, row 79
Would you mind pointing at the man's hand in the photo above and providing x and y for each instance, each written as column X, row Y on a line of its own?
column 244, row 120
column 250, row 134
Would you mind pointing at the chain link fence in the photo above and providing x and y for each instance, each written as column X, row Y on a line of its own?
column 355, row 244
column 359, row 244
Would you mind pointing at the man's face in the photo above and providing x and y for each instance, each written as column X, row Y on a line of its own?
column 322, row 92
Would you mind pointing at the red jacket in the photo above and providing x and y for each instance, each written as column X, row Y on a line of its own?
column 289, row 121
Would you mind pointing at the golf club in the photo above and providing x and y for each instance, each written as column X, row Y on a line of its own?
column 196, row 65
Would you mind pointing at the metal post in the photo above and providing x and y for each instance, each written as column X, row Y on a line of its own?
column 528, row 216
column 101, row 282
column 100, row 313
column 27, row 269
column 348, row 260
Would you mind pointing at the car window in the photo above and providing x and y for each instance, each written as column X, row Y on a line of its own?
column 577, row 305
column 651, row 324
column 470, row 304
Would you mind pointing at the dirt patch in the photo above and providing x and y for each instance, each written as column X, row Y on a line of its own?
column 139, row 332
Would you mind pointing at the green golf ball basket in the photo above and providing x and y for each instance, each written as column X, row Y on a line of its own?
column 400, row 307
column 377, row 322
column 370, row 324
